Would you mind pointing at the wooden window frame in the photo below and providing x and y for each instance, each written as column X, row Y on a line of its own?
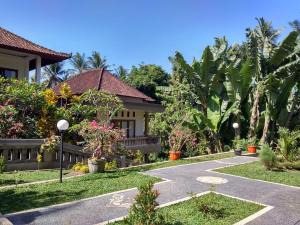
column 127, row 129
column 17, row 72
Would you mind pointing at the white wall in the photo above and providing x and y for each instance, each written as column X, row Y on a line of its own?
column 16, row 63
column 139, row 120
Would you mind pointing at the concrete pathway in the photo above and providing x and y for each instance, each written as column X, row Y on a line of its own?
column 180, row 180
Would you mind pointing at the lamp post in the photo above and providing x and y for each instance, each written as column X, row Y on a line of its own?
column 62, row 126
column 236, row 127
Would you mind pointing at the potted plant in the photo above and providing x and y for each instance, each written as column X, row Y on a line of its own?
column 252, row 143
column 99, row 140
column 178, row 137
column 239, row 145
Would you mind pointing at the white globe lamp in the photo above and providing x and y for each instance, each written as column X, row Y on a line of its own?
column 235, row 125
column 62, row 125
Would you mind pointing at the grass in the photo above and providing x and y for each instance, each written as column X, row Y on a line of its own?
column 256, row 170
column 229, row 211
column 34, row 196
column 10, row 178
column 183, row 161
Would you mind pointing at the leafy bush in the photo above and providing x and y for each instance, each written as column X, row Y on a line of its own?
column 290, row 165
column 139, row 157
column 80, row 167
column 288, row 144
column 111, row 165
column 2, row 164
column 267, row 157
column 240, row 144
column 143, row 211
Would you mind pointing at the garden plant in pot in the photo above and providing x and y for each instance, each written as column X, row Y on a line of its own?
column 178, row 138
column 252, row 144
column 100, row 140
column 239, row 145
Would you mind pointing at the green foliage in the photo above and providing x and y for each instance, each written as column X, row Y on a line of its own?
column 139, row 157
column 240, row 144
column 111, row 165
column 143, row 211
column 146, row 78
column 288, row 144
column 50, row 144
column 267, row 157
column 2, row 164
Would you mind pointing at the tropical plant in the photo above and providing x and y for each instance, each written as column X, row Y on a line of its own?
column 288, row 144
column 53, row 74
column 96, row 61
column 121, row 73
column 267, row 157
column 79, row 63
column 100, row 138
column 179, row 137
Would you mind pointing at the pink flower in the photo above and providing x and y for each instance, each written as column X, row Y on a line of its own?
column 94, row 124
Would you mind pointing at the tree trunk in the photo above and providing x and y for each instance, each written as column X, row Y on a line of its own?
column 254, row 115
column 266, row 127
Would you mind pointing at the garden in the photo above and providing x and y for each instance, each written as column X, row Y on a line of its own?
column 235, row 99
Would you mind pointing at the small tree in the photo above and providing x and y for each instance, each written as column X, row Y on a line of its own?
column 143, row 211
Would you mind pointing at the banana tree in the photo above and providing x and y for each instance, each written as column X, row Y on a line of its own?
column 278, row 83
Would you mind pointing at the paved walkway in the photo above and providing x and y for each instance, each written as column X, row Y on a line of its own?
column 181, row 180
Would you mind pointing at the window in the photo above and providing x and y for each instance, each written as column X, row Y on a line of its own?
column 133, row 114
column 8, row 73
column 128, row 114
column 122, row 114
column 127, row 125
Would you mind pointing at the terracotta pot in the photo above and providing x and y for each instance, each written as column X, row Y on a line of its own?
column 174, row 155
column 96, row 166
column 252, row 149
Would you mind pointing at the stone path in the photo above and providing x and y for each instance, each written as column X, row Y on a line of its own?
column 181, row 180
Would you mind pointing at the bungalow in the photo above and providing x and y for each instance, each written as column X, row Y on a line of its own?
column 18, row 56
column 134, row 119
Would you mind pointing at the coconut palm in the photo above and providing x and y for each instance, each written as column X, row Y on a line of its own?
column 54, row 73
column 96, row 61
column 79, row 63
column 121, row 73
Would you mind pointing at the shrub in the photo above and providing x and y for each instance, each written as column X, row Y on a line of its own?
column 288, row 144
column 80, row 167
column 111, row 165
column 240, row 144
column 2, row 164
column 290, row 165
column 267, row 157
column 139, row 157
column 143, row 211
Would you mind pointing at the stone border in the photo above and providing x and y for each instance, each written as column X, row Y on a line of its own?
column 242, row 222
column 82, row 200
column 269, row 182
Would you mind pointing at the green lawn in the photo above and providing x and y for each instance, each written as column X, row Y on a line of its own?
column 33, row 196
column 10, row 178
column 256, row 171
column 183, row 161
column 230, row 211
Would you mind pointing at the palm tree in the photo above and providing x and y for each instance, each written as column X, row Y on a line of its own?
column 121, row 73
column 53, row 73
column 79, row 63
column 96, row 61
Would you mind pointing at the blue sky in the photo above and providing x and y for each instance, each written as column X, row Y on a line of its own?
column 129, row 32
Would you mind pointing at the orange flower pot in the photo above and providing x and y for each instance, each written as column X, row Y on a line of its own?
column 174, row 155
column 252, row 149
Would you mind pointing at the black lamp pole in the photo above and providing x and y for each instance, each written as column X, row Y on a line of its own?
column 61, row 154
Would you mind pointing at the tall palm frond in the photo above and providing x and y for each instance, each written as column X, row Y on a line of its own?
column 79, row 63
column 96, row 61
column 53, row 73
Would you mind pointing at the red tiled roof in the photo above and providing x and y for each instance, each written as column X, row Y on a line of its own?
column 101, row 79
column 11, row 41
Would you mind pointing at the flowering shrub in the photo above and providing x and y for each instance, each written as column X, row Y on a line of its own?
column 100, row 138
column 180, row 136
column 9, row 126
